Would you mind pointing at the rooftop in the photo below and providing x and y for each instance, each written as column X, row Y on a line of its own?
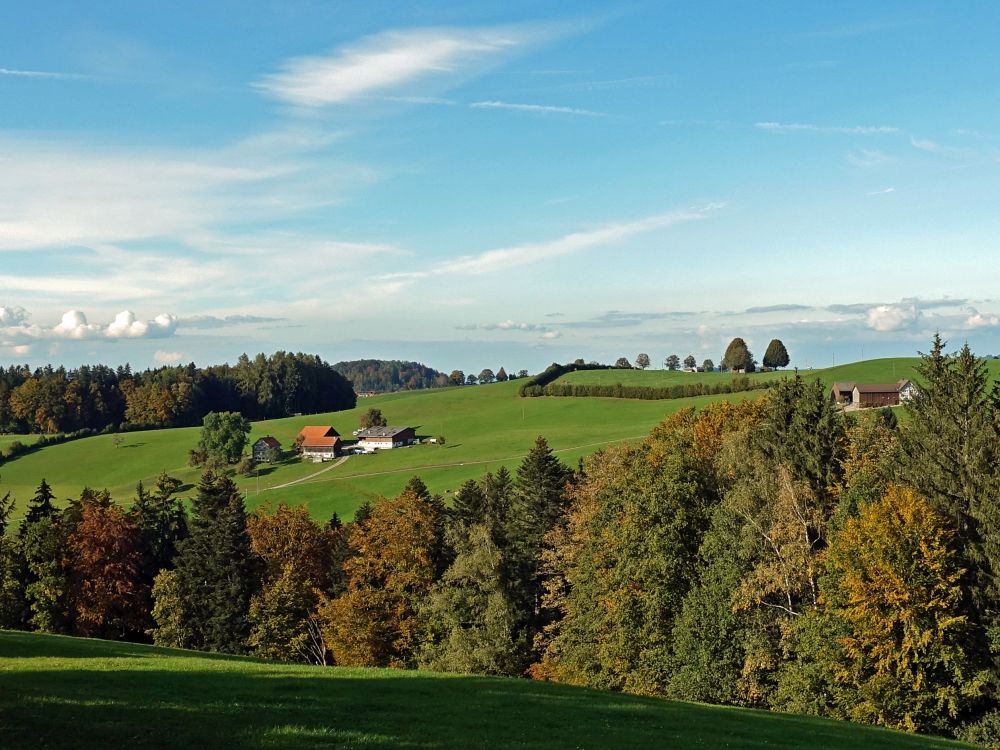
column 381, row 432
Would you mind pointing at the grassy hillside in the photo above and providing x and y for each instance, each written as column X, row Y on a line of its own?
column 484, row 427
column 75, row 693
column 869, row 371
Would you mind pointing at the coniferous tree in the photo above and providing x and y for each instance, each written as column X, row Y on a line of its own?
column 538, row 503
column 162, row 524
column 501, row 375
column 776, row 354
column 12, row 604
column 217, row 571
column 469, row 506
column 39, row 507
column 950, row 453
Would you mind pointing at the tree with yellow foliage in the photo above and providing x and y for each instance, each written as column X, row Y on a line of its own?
column 896, row 584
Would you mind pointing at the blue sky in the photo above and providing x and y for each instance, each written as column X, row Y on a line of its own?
column 480, row 184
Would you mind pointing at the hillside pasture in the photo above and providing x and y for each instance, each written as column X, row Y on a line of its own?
column 79, row 694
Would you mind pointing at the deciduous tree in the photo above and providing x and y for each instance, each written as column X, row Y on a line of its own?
column 642, row 361
column 776, row 354
column 224, row 436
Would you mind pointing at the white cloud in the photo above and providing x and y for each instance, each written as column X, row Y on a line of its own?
column 537, row 108
column 866, row 158
column 978, row 320
column 167, row 358
column 808, row 127
column 884, row 191
column 21, row 349
column 381, row 64
column 933, row 147
column 504, row 258
column 12, row 316
column 551, row 334
column 74, row 325
column 893, row 317
column 125, row 325
column 42, row 74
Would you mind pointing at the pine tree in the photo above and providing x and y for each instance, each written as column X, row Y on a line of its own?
column 538, row 503
column 950, row 453
column 39, row 507
column 162, row 524
column 776, row 354
column 469, row 506
column 217, row 571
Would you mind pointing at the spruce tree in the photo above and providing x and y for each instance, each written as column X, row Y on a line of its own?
column 950, row 454
column 162, row 524
column 469, row 506
column 538, row 504
column 39, row 507
column 217, row 572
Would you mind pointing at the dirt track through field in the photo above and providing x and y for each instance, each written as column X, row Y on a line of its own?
column 332, row 466
column 418, row 469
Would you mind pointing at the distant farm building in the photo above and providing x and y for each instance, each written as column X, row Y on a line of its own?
column 319, row 443
column 266, row 450
column 871, row 395
column 381, row 438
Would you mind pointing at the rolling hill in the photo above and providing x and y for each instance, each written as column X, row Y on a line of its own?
column 484, row 426
column 79, row 694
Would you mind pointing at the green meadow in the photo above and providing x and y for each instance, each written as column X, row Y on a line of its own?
column 485, row 427
column 74, row 693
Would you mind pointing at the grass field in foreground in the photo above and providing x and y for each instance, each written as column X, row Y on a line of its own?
column 80, row 694
column 484, row 426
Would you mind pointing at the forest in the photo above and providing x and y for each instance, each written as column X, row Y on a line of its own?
column 385, row 376
column 776, row 553
column 52, row 400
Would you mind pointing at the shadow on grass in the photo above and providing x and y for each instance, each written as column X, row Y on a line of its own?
column 193, row 703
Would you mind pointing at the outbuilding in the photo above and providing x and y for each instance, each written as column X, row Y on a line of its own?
column 381, row 438
column 319, row 442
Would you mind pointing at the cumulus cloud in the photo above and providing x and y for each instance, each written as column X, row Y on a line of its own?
column 127, row 326
column 12, row 316
column 74, row 325
column 978, row 320
column 893, row 317
column 551, row 335
column 14, row 327
column 167, row 358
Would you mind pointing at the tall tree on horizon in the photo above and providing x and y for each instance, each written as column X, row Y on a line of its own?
column 776, row 355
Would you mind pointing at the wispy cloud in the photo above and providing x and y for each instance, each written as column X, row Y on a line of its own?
column 382, row 64
column 867, row 158
column 776, row 308
column 933, row 147
column 44, row 74
column 503, row 325
column 167, row 358
column 537, row 108
column 808, row 127
column 213, row 321
column 883, row 191
column 519, row 255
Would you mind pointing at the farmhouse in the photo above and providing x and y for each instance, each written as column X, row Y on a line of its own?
column 319, row 443
column 871, row 395
column 842, row 393
column 266, row 450
column 374, row 438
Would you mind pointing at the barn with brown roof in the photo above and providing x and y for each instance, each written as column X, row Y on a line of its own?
column 319, row 442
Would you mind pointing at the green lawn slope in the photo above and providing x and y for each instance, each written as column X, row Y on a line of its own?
column 484, row 426
column 73, row 693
